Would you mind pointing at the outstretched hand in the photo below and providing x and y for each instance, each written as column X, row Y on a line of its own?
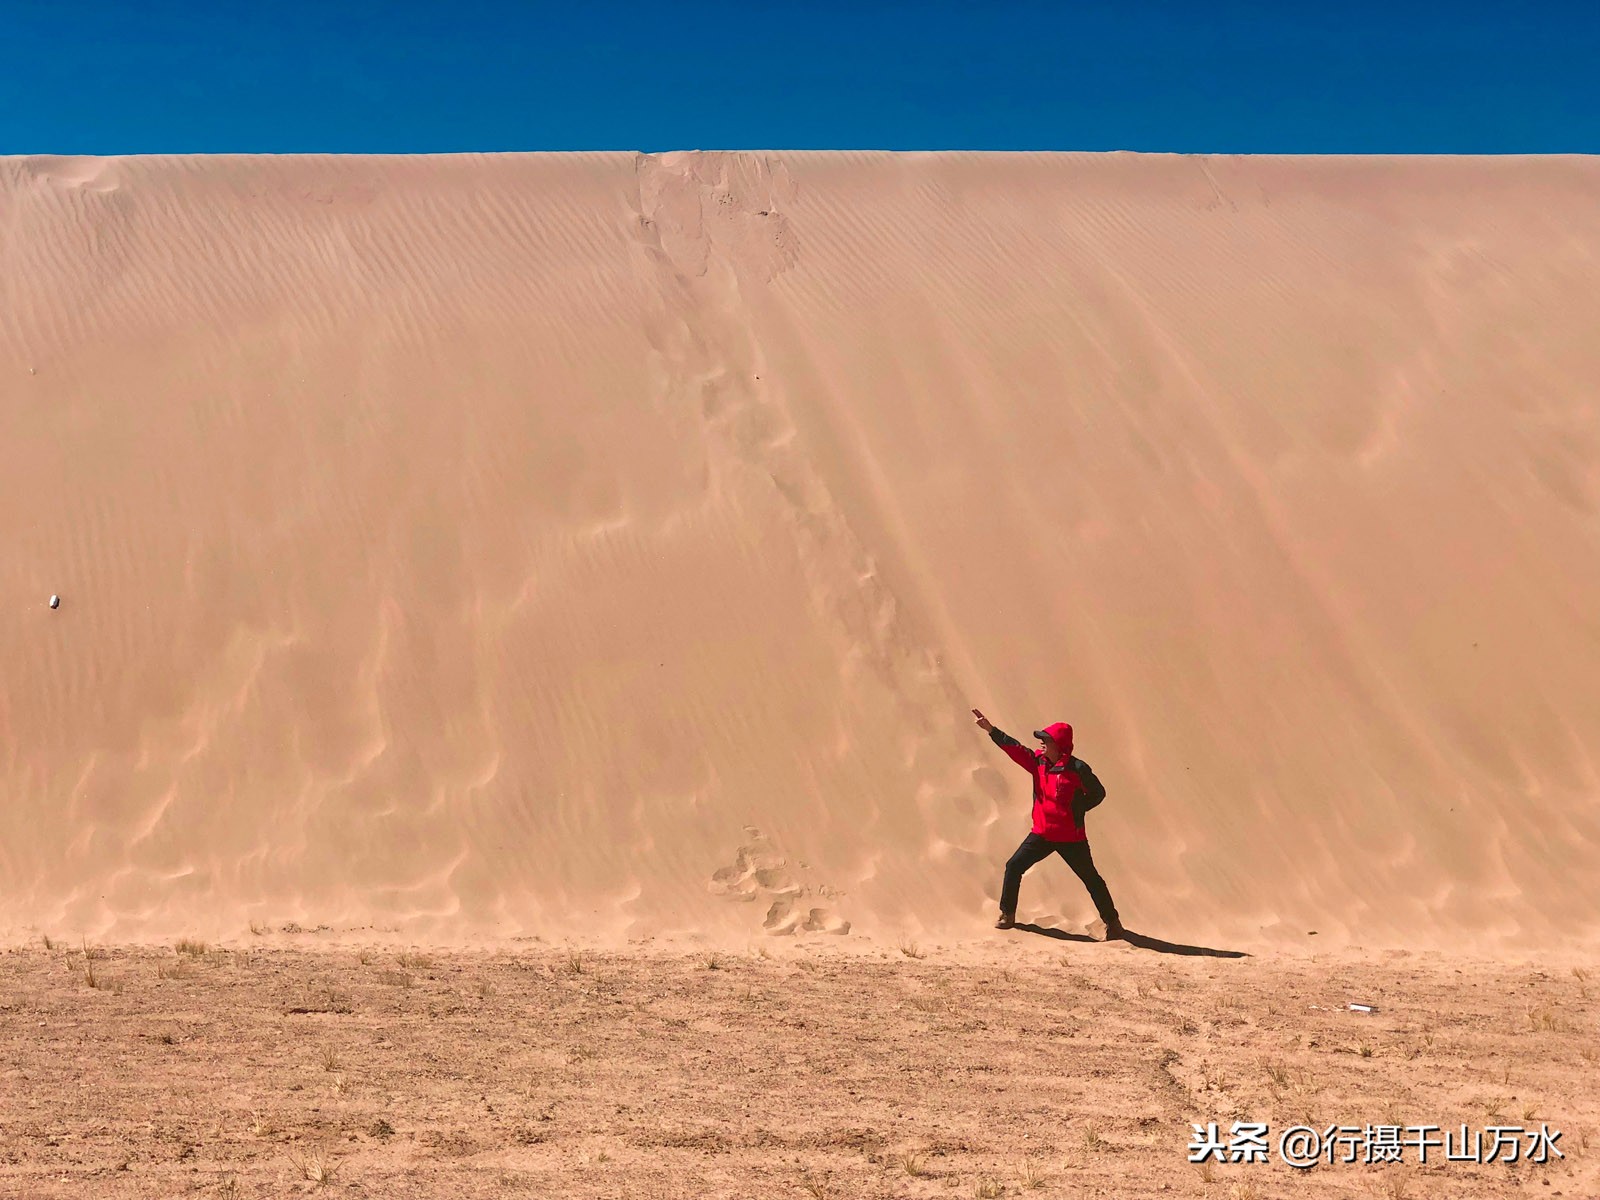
column 983, row 721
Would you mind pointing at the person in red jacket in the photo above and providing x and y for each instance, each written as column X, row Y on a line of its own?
column 1063, row 788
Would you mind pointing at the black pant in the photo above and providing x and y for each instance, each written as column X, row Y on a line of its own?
column 1035, row 849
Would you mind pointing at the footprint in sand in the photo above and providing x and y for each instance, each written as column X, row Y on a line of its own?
column 760, row 871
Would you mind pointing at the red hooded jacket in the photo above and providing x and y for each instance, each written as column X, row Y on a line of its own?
column 1053, row 788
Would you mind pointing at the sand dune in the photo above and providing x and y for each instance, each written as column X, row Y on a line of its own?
column 614, row 545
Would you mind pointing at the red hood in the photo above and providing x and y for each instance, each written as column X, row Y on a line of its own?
column 1062, row 733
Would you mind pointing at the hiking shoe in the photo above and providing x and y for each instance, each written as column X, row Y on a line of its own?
column 1115, row 932
column 1006, row 921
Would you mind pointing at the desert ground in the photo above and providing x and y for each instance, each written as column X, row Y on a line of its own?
column 1032, row 1063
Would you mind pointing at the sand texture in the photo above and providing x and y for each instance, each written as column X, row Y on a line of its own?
column 794, row 1069
column 614, row 545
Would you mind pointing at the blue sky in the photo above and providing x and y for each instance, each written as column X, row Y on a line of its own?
column 1303, row 76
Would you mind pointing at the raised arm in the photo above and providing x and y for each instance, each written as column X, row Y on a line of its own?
column 1015, row 750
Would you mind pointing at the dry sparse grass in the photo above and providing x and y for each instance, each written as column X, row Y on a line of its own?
column 1033, row 1176
column 412, row 961
column 191, row 947
column 400, row 979
column 1544, row 1020
column 1246, row 1189
column 988, row 1188
column 912, row 1165
column 1093, row 1143
column 911, row 950
column 176, row 969
column 98, row 981
column 258, row 929
column 575, row 962
column 1207, row 1172
column 330, row 1059
column 712, row 961
column 317, row 1164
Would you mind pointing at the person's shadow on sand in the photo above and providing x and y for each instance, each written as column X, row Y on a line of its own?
column 1143, row 941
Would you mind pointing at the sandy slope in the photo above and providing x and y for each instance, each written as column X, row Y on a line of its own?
column 613, row 543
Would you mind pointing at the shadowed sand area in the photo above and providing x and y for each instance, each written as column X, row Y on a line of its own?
column 478, row 547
